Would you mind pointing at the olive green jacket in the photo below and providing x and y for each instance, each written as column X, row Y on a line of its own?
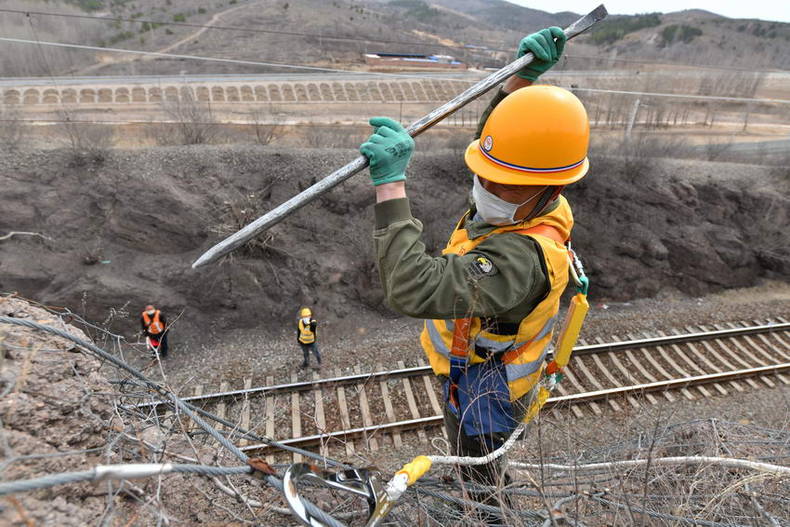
column 455, row 286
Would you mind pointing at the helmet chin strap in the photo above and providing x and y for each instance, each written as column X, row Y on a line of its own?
column 549, row 195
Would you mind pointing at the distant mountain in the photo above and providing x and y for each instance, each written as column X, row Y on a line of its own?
column 503, row 14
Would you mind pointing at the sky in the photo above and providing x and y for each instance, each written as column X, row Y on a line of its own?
column 775, row 10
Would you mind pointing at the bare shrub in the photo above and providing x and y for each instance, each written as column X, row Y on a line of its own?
column 87, row 142
column 716, row 150
column 638, row 153
column 193, row 121
column 744, row 84
column 10, row 128
column 265, row 125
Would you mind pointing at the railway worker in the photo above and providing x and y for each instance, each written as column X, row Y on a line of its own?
column 155, row 330
column 491, row 299
column 306, row 336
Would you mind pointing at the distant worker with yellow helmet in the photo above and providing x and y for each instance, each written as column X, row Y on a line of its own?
column 491, row 299
column 306, row 336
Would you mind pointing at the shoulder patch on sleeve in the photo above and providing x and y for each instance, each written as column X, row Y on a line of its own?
column 481, row 266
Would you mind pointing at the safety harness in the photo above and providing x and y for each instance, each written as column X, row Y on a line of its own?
column 367, row 483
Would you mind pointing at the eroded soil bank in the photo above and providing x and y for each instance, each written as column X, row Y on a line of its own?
column 122, row 232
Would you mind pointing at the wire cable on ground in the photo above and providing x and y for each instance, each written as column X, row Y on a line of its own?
column 271, row 480
column 778, row 470
column 125, row 471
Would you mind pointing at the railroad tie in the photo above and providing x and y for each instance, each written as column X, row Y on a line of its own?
column 245, row 411
column 222, row 408
column 296, row 417
column 397, row 441
column 364, row 408
column 320, row 419
column 345, row 419
column 415, row 413
column 270, row 404
column 431, row 391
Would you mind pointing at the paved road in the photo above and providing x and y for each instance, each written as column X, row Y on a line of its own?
column 201, row 79
column 307, row 77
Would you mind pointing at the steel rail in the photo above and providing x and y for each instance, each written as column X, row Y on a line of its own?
column 421, row 370
column 679, row 339
column 579, row 398
column 301, row 386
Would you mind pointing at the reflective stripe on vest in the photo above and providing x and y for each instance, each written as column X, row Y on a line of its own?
column 153, row 325
column 306, row 335
column 523, row 353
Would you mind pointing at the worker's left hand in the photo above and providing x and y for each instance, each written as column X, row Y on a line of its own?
column 388, row 150
column 546, row 49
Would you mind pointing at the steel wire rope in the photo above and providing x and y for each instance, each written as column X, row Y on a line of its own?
column 121, row 471
column 661, row 515
column 186, row 408
column 467, row 47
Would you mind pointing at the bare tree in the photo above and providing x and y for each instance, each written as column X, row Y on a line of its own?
column 193, row 121
column 88, row 142
column 265, row 124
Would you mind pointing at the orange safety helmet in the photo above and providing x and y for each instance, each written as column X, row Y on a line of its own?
column 537, row 135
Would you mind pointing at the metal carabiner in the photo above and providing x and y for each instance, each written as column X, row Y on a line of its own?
column 362, row 482
column 577, row 271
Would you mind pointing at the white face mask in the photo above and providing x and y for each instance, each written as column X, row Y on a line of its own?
column 493, row 209
column 306, row 320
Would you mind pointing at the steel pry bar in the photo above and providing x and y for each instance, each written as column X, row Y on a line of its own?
column 277, row 214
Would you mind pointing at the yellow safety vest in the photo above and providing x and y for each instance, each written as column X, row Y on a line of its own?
column 524, row 352
column 306, row 335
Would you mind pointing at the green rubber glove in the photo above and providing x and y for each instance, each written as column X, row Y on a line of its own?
column 547, row 51
column 388, row 150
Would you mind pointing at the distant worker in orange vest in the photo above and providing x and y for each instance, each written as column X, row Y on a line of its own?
column 306, row 336
column 155, row 330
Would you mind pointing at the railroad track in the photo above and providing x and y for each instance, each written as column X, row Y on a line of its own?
column 367, row 410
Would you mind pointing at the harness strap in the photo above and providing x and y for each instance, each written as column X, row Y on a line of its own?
column 460, row 346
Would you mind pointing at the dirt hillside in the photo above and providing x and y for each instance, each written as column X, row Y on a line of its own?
column 122, row 231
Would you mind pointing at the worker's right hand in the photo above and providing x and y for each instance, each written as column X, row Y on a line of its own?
column 388, row 150
column 546, row 50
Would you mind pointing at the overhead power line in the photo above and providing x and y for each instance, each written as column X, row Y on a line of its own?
column 246, row 29
column 471, row 47
column 206, row 59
